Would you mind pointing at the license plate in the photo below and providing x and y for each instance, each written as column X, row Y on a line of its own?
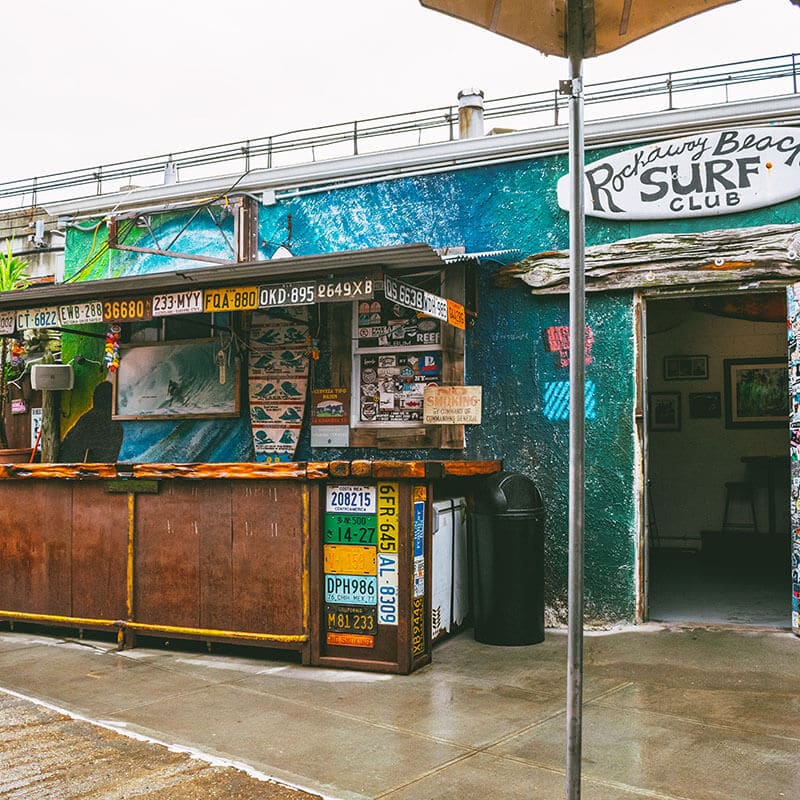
column 419, row 527
column 435, row 306
column 418, row 627
column 287, row 294
column 403, row 294
column 131, row 309
column 350, row 529
column 350, row 639
column 37, row 318
column 388, row 517
column 349, row 559
column 350, row 619
column 239, row 299
column 178, row 303
column 455, row 315
column 339, row 290
column 350, row 499
column 81, row 313
column 7, row 322
column 387, row 589
column 357, row 590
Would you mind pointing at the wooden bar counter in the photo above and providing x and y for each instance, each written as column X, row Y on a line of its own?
column 265, row 554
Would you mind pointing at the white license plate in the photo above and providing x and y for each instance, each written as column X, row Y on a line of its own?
column 178, row 303
column 350, row 499
column 37, row 318
column 81, row 313
column 387, row 589
column 359, row 590
column 7, row 321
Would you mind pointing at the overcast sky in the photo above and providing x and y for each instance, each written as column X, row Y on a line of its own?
column 96, row 81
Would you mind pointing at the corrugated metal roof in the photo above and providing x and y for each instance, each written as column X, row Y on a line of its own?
column 486, row 255
column 400, row 258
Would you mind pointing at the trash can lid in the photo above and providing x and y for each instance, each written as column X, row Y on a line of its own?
column 508, row 493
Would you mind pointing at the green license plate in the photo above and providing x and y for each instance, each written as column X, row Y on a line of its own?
column 350, row 529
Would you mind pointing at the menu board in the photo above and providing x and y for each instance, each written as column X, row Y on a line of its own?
column 392, row 386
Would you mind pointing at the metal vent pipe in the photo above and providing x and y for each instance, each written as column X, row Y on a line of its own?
column 470, row 113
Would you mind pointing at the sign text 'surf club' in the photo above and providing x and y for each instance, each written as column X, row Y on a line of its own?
column 702, row 175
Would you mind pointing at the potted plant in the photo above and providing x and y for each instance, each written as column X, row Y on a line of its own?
column 13, row 275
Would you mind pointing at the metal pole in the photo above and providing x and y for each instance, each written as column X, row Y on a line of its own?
column 577, row 374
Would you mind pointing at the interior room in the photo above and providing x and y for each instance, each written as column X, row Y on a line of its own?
column 717, row 455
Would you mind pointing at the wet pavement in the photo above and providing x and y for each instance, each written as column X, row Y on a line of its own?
column 47, row 754
column 671, row 712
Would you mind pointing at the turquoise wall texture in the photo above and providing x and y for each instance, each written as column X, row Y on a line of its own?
column 512, row 351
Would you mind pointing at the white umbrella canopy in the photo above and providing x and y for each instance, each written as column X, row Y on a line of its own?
column 542, row 24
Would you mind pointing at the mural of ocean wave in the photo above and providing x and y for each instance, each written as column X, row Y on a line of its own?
column 202, row 237
column 176, row 379
column 188, row 441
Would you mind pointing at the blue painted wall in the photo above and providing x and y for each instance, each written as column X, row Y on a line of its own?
column 524, row 419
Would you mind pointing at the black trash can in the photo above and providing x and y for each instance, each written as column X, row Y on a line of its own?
column 507, row 537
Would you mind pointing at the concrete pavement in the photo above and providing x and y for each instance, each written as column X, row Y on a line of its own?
column 671, row 712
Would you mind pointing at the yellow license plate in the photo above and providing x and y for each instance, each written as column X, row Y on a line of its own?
column 388, row 517
column 348, row 559
column 241, row 299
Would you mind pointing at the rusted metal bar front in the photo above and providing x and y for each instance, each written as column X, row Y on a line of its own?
column 229, row 552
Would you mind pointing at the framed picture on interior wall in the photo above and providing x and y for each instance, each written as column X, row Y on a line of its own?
column 756, row 392
column 685, row 368
column 705, row 405
column 665, row 411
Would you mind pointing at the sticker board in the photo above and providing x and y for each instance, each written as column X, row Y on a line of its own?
column 383, row 323
column 392, row 386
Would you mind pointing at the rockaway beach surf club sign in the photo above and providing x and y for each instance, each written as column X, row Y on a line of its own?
column 696, row 176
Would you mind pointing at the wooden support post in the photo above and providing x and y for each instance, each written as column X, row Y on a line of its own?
column 51, row 425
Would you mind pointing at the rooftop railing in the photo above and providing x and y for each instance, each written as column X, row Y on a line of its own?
column 725, row 83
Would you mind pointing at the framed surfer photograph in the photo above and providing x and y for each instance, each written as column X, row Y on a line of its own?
column 176, row 380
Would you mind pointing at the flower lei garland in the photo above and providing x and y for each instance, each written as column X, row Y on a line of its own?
column 111, row 354
column 17, row 359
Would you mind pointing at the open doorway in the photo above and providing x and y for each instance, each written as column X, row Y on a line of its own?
column 717, row 460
